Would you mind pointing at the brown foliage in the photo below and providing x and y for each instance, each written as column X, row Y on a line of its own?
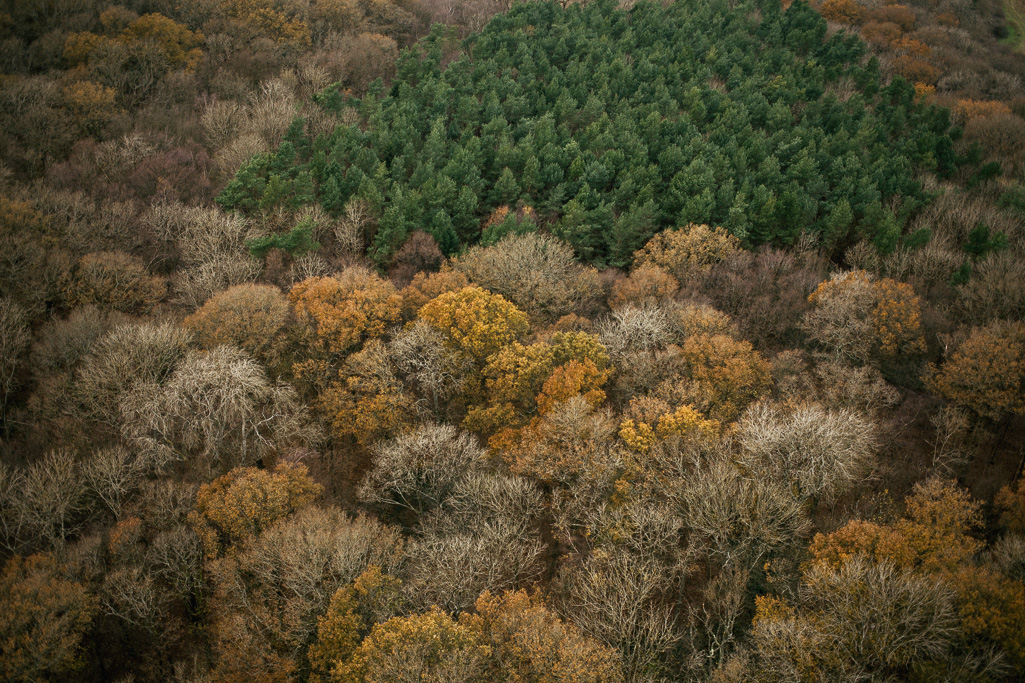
column 986, row 373
column 44, row 620
column 337, row 314
column 247, row 316
column 847, row 12
column 901, row 15
column 916, row 70
column 646, row 285
column 113, row 280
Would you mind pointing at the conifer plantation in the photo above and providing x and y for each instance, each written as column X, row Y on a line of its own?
column 437, row 341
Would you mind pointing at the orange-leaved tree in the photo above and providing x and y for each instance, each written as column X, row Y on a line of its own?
column 240, row 504
column 986, row 373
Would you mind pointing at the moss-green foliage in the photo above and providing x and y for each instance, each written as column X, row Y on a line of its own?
column 296, row 242
column 616, row 124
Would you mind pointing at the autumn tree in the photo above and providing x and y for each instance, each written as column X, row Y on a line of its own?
column 368, row 401
column 538, row 273
column 267, row 597
column 519, row 379
column 855, row 317
column 248, row 316
column 739, row 519
column 723, row 375
column 528, row 641
column 858, row 620
column 687, row 251
column 373, row 598
column 436, row 370
column 647, row 284
column 476, row 322
column 337, row 314
column 420, row 648
column 44, row 620
column 113, row 280
column 986, row 373
column 484, row 536
column 427, row 286
column 242, row 503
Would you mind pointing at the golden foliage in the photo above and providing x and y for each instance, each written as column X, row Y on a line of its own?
column 265, row 18
column 934, row 534
column 916, row 70
column 178, row 47
column 986, row 373
column 353, row 610
column 687, row 250
column 529, row 643
column 855, row 316
column 336, row 314
column 683, row 422
column 521, row 380
column 897, row 318
column 245, row 501
column 966, row 110
column 477, row 322
column 92, row 104
column 368, row 402
column 1011, row 503
column 426, row 286
column 432, row 644
column 724, row 375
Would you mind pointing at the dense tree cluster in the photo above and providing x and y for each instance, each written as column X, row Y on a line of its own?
column 601, row 344
column 613, row 129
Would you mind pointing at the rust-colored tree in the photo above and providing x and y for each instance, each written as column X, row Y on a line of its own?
column 986, row 373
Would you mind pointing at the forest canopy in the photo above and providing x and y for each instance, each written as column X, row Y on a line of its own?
column 613, row 124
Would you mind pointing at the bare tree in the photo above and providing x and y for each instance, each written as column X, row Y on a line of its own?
column 741, row 518
column 14, row 339
column 537, row 272
column 112, row 474
column 52, row 496
column 483, row 537
column 217, row 409
column 418, row 471
column 614, row 597
column 633, row 329
column 424, row 357
column 274, row 590
column 818, row 453
column 355, row 229
column 127, row 356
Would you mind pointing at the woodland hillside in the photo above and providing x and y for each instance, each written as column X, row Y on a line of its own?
column 367, row 341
